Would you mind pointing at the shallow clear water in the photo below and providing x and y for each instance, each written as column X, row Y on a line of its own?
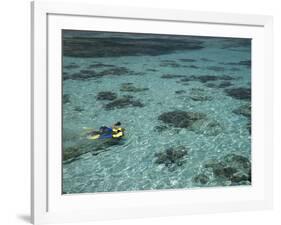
column 132, row 164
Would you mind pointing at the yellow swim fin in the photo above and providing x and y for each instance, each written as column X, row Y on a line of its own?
column 93, row 137
column 86, row 130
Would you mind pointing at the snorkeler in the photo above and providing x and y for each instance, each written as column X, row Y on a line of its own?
column 115, row 132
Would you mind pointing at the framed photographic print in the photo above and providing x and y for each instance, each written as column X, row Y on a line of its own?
column 148, row 112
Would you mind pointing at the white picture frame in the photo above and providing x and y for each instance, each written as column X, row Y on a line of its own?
column 48, row 205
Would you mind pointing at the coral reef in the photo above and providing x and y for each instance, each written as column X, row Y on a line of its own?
column 129, row 87
column 172, row 156
column 106, row 95
column 198, row 94
column 160, row 128
column 246, row 63
column 224, row 84
column 244, row 110
column 206, row 60
column 75, row 46
column 194, row 121
column 187, row 60
column 172, row 76
column 86, row 74
column 123, row 102
column 71, row 153
column 180, row 92
column 71, row 66
column 66, row 98
column 99, row 65
column 78, row 109
column 207, row 127
column 151, row 70
column 201, row 179
column 239, row 93
column 215, row 68
column 236, row 43
column 181, row 119
column 232, row 169
column 193, row 67
column 206, row 78
column 116, row 71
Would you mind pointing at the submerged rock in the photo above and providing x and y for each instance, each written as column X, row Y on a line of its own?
column 172, row 76
column 198, row 94
column 128, row 96
column 210, row 85
column 82, row 75
column 231, row 169
column 129, row 87
column 71, row 66
column 170, row 64
column 100, row 65
column 239, row 93
column 193, row 67
column 224, row 84
column 244, row 110
column 66, row 98
column 187, row 79
column 117, row 45
column 168, row 61
column 86, row 74
column 160, row 128
column 208, row 127
column 187, row 60
column 151, row 70
column 221, row 170
column 181, row 119
column 201, row 98
column 249, row 127
column 180, row 92
column 171, row 156
column 123, row 102
column 246, row 63
column 239, row 177
column 117, row 71
column 216, row 68
column 201, row 179
column 106, row 95
column 72, row 153
column 206, row 78
column 206, row 60
column 230, row 43
column 78, row 109
column 237, row 161
column 194, row 121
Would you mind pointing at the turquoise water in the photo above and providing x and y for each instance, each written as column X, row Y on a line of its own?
column 185, row 103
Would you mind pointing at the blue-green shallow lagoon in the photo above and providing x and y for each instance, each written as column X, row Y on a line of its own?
column 184, row 101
